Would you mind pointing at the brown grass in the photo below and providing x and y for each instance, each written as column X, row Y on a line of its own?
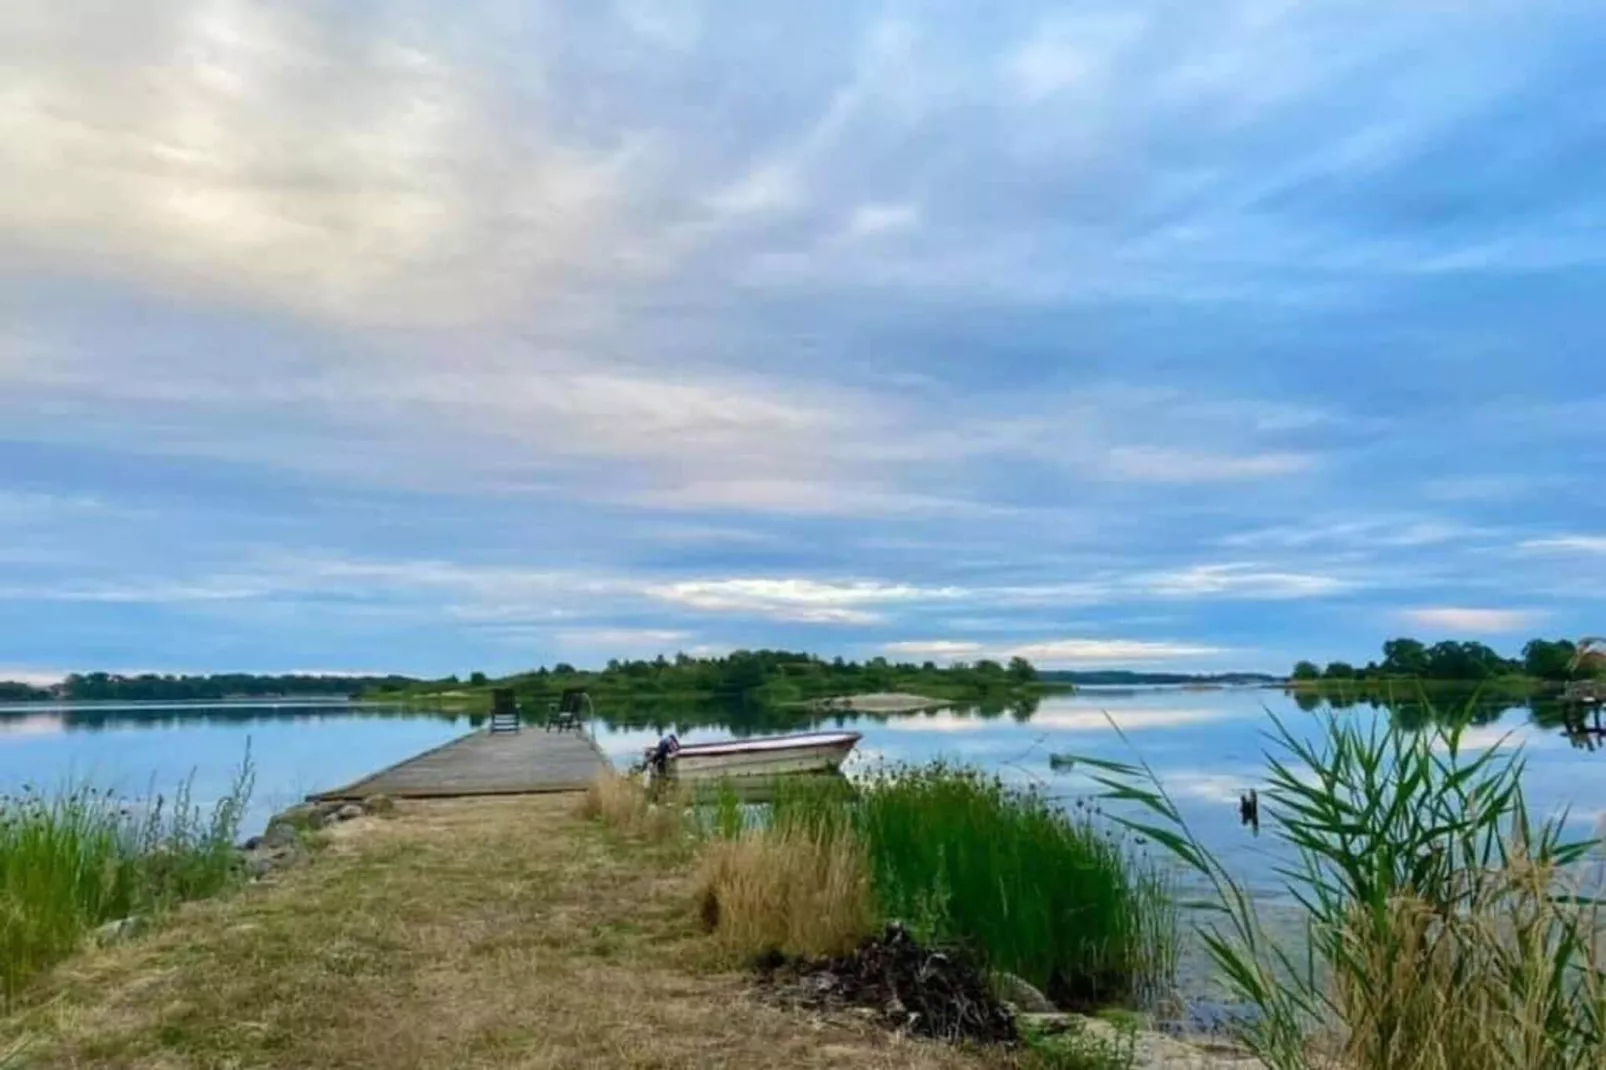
column 623, row 804
column 1477, row 988
column 788, row 890
column 494, row 933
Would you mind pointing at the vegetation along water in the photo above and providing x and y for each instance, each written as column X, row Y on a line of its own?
column 81, row 858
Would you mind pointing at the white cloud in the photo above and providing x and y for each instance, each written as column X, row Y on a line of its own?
column 341, row 166
column 1461, row 619
column 1241, row 580
column 1160, row 465
column 1577, row 544
column 1057, row 653
column 33, row 676
column 872, row 220
column 1069, row 652
column 624, row 642
column 814, row 601
column 1070, row 52
column 934, row 649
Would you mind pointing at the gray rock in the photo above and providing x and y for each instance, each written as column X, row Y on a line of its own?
column 121, row 929
column 1021, row 994
column 349, row 811
column 251, row 844
column 279, row 834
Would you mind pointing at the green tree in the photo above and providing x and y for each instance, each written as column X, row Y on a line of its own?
column 1339, row 670
column 1022, row 671
column 1307, row 670
column 1548, row 660
column 477, row 679
column 1405, row 657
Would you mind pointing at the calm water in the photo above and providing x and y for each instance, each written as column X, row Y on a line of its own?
column 1205, row 745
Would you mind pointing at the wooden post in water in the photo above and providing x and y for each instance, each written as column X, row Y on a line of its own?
column 504, row 711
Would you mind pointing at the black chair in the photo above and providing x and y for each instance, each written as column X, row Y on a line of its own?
column 569, row 711
column 504, row 711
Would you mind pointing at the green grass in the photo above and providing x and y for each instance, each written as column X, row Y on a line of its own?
column 1446, row 927
column 966, row 861
column 75, row 860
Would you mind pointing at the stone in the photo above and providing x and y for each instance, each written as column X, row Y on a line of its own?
column 349, row 811
column 251, row 844
column 379, row 804
column 121, row 929
column 1021, row 994
column 279, row 834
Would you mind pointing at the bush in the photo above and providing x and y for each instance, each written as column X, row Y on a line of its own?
column 77, row 860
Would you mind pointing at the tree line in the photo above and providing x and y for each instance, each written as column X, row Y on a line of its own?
column 155, row 687
column 775, row 675
column 769, row 675
column 1552, row 660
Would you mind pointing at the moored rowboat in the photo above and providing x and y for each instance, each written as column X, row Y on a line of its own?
column 809, row 752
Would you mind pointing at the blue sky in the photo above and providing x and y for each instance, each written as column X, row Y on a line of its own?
column 393, row 337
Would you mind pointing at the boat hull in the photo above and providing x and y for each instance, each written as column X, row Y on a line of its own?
column 763, row 758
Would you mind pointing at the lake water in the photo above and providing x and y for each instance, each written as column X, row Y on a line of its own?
column 1206, row 746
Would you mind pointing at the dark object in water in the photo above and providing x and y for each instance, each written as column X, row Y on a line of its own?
column 911, row 988
column 1249, row 810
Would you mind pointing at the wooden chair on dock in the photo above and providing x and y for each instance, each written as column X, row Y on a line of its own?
column 504, row 711
column 569, row 711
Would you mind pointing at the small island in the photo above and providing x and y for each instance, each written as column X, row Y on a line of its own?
column 770, row 678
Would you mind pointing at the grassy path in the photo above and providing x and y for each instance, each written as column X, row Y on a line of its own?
column 471, row 933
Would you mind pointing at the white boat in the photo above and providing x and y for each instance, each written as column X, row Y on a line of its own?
column 809, row 752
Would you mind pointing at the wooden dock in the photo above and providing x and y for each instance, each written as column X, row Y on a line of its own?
column 526, row 762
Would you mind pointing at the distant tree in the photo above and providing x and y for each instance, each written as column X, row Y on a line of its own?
column 1339, row 670
column 1405, row 657
column 477, row 679
column 563, row 668
column 1546, row 660
column 1307, row 670
column 1022, row 671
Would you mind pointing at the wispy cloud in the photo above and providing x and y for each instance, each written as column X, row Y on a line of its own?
column 1057, row 653
column 1565, row 544
column 1243, row 580
column 1462, row 619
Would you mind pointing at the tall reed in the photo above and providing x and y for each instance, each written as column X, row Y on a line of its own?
column 80, row 858
column 1030, row 888
column 965, row 860
column 1446, row 929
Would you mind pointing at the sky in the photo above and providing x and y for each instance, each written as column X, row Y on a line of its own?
column 428, row 338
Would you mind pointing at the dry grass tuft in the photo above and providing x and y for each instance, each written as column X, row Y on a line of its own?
column 787, row 889
column 1486, row 987
column 625, row 805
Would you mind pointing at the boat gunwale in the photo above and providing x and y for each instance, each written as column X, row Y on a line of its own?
column 763, row 744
